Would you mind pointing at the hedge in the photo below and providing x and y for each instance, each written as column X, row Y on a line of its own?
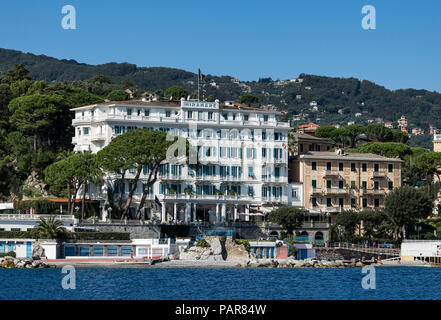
column 69, row 235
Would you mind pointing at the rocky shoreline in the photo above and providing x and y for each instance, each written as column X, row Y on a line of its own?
column 22, row 263
column 291, row 262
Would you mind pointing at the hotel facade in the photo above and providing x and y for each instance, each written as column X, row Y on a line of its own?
column 243, row 153
column 337, row 181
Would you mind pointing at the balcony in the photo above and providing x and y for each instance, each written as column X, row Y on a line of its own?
column 276, row 199
column 171, row 177
column 268, row 179
column 331, row 173
column 372, row 192
column 337, row 191
column 379, row 175
column 98, row 137
column 208, row 197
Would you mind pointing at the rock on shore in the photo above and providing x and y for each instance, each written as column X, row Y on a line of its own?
column 20, row 263
column 291, row 262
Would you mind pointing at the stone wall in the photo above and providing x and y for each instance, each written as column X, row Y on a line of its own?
column 344, row 254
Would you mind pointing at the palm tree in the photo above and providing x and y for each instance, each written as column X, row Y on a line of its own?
column 49, row 228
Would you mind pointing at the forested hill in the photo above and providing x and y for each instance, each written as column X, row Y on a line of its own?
column 351, row 95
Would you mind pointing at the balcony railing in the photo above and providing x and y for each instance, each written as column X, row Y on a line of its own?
column 379, row 192
column 331, row 173
column 378, row 174
column 62, row 217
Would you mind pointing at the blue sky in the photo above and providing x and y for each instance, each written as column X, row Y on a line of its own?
column 243, row 38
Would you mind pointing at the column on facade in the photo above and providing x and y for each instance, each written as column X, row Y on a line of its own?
column 224, row 212
column 187, row 211
column 194, row 212
column 163, row 213
column 236, row 216
column 217, row 213
column 175, row 212
column 247, row 213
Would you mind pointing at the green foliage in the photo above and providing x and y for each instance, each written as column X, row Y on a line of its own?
column 406, row 205
column 8, row 254
column 292, row 252
column 203, row 243
column 176, row 92
column 348, row 220
column 386, row 149
column 289, row 218
column 246, row 243
column 118, row 95
column 41, row 206
column 49, row 228
column 249, row 99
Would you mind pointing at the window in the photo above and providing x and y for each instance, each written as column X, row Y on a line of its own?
column 328, row 166
column 340, row 166
column 190, row 114
column 328, row 202
column 328, row 184
column 341, row 202
column 314, row 184
column 376, row 203
column 341, row 184
column 314, row 165
column 250, row 191
column 250, row 172
column 225, row 116
column 353, row 167
column 234, row 116
column 146, row 112
column 138, row 112
column 85, row 130
column 364, row 185
column 167, row 114
column 365, row 203
column 294, row 193
column 245, row 117
column 390, row 185
column 265, row 118
column 390, row 167
column 200, row 115
column 376, row 167
column 364, row 167
column 263, row 135
column 314, row 202
column 352, row 184
column 210, row 115
column 129, row 112
column 353, row 203
column 376, row 185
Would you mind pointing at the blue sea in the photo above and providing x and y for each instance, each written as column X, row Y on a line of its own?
column 220, row 283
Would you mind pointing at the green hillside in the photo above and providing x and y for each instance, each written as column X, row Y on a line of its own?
column 421, row 107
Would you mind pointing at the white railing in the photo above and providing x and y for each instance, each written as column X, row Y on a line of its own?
column 35, row 216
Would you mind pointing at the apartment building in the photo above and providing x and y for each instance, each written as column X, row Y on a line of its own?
column 304, row 143
column 335, row 181
column 243, row 153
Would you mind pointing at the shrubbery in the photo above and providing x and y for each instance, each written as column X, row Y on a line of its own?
column 8, row 254
column 246, row 243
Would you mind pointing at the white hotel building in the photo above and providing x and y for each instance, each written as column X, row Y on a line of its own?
column 244, row 152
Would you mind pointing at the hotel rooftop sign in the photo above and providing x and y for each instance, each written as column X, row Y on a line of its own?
column 200, row 104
